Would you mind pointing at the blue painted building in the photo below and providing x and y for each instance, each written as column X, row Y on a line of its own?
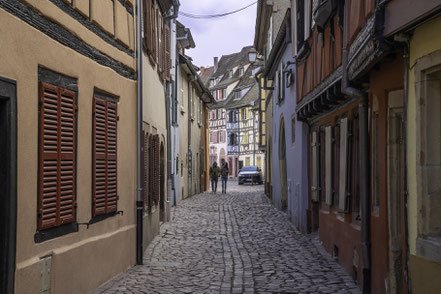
column 289, row 145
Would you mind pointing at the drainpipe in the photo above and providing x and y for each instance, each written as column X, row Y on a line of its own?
column 364, row 160
column 170, row 95
column 139, row 202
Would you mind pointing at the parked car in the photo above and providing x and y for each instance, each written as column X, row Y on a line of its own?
column 251, row 174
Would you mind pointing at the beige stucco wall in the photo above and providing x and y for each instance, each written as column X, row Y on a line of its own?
column 87, row 255
column 424, row 41
column 196, row 137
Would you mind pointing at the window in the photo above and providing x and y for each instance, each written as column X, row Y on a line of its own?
column 280, row 81
column 230, row 116
column 104, row 161
column 224, row 93
column 231, row 74
column 236, row 95
column 192, row 101
column 232, row 139
column 241, row 71
column 428, row 164
column 354, row 169
column 245, row 138
column 57, row 147
column 300, row 23
column 247, row 161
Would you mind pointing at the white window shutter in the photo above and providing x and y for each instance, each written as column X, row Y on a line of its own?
column 315, row 168
column 328, row 167
column 343, row 164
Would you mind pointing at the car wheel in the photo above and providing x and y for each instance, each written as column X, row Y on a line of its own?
column 240, row 183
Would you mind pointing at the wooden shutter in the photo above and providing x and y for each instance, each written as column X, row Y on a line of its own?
column 151, row 171
column 167, row 48
column 328, row 173
column 343, row 178
column 154, row 35
column 145, row 161
column 148, row 30
column 156, row 167
column 56, row 195
column 105, row 195
column 315, row 189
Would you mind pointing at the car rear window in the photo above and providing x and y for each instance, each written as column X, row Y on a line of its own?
column 249, row 168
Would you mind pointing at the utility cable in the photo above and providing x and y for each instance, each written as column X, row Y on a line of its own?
column 209, row 16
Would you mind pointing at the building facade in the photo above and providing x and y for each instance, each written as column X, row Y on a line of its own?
column 193, row 132
column 68, row 109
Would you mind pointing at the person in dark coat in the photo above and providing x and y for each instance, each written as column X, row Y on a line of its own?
column 224, row 175
column 214, row 176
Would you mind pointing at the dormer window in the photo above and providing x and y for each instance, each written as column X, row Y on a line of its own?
column 241, row 70
column 211, row 82
column 236, row 95
column 231, row 74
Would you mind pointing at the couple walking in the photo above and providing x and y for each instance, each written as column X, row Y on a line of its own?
column 215, row 171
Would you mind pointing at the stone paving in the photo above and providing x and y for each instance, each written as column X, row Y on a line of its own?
column 232, row 243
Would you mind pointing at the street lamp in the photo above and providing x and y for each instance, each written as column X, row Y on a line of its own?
column 252, row 56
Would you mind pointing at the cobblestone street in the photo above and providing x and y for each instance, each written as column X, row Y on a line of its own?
column 232, row 243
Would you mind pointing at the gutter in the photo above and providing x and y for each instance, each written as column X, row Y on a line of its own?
column 362, row 96
column 139, row 202
column 171, row 91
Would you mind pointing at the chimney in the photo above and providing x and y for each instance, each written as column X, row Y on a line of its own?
column 216, row 59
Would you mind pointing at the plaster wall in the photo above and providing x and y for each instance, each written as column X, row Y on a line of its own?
column 86, row 254
column 424, row 272
column 296, row 155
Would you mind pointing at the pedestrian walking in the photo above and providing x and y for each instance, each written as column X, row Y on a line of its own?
column 214, row 176
column 224, row 175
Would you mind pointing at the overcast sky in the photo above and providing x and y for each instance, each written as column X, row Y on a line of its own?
column 222, row 36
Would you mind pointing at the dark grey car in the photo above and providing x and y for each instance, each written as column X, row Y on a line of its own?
column 251, row 174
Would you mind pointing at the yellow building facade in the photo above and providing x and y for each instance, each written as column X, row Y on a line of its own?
column 75, row 60
column 423, row 157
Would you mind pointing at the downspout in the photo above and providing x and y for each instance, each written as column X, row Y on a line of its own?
column 139, row 202
column 171, row 86
column 364, row 159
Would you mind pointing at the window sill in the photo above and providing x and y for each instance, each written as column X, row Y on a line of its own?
column 52, row 233
column 102, row 217
column 429, row 248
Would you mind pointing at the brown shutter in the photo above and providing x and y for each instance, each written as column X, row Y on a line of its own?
column 145, row 157
column 56, row 193
column 148, row 26
column 151, row 171
column 154, row 36
column 112, row 192
column 104, row 180
column 157, row 170
column 161, row 47
column 167, row 63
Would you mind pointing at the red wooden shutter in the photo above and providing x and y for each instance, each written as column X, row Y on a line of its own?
column 157, row 170
column 145, row 157
column 151, row 170
column 148, row 26
column 112, row 192
column 56, row 193
column 105, row 195
column 167, row 49
column 154, row 36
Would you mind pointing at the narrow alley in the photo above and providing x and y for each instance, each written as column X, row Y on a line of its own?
column 232, row 243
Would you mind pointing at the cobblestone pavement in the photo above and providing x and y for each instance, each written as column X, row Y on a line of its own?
column 232, row 243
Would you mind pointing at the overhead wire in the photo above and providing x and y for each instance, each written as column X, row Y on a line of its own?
column 210, row 16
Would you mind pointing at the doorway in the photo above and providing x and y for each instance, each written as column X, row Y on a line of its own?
column 8, row 183
column 282, row 166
